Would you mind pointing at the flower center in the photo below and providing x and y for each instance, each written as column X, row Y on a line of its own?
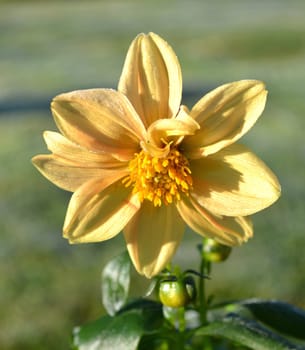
column 160, row 180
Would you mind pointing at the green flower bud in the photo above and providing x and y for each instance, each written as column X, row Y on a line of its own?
column 173, row 293
column 215, row 252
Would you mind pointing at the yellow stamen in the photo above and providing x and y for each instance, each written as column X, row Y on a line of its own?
column 159, row 180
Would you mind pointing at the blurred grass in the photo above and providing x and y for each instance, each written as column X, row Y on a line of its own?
column 47, row 286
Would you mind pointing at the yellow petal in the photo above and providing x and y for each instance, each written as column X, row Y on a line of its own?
column 233, row 182
column 99, row 119
column 230, row 231
column 71, row 165
column 66, row 149
column 70, row 175
column 165, row 132
column 151, row 78
column 152, row 237
column 224, row 115
column 98, row 211
column 169, row 129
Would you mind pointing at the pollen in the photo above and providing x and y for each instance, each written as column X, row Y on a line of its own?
column 159, row 180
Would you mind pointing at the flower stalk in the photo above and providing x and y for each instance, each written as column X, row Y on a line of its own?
column 204, row 269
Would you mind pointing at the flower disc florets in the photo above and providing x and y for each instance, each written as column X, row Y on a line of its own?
column 160, row 180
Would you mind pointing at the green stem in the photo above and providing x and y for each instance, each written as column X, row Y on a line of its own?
column 181, row 319
column 205, row 268
column 202, row 297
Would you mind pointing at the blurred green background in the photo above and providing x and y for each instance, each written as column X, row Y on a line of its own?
column 48, row 47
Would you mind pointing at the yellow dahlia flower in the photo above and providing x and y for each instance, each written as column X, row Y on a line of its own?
column 140, row 162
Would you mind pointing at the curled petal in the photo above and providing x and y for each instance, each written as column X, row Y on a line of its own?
column 156, row 151
column 225, row 114
column 151, row 78
column 230, row 231
column 152, row 237
column 169, row 129
column 233, row 182
column 98, row 211
column 99, row 120
column 165, row 132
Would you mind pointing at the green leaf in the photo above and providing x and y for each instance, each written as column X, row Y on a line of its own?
column 115, row 283
column 151, row 310
column 122, row 332
column 247, row 333
column 281, row 316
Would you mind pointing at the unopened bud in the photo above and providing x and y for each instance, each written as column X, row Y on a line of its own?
column 215, row 252
column 178, row 292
